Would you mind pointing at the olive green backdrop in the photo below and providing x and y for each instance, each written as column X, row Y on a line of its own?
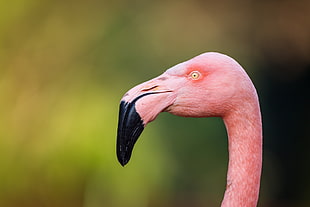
column 64, row 66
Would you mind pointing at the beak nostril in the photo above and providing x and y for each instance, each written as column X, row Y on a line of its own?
column 150, row 88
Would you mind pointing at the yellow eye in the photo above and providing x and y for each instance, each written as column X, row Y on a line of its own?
column 195, row 75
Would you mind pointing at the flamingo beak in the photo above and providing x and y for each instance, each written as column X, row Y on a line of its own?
column 139, row 106
column 130, row 126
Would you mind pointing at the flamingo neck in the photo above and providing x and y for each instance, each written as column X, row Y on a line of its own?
column 244, row 129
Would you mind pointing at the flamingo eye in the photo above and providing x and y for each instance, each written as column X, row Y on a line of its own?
column 195, row 75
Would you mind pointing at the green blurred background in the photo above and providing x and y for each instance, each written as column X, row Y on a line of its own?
column 64, row 66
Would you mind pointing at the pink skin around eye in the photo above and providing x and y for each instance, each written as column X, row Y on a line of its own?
column 196, row 68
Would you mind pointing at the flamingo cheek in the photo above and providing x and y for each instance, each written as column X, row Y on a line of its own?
column 149, row 107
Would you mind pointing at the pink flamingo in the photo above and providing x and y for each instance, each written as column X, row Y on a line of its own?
column 209, row 85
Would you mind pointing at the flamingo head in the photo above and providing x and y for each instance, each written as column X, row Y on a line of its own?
column 204, row 86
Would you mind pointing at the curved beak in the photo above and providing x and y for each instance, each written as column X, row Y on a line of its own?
column 139, row 106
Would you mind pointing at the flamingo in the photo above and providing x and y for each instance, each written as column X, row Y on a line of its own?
column 208, row 85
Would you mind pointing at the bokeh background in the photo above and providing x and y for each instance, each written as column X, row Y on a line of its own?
column 64, row 66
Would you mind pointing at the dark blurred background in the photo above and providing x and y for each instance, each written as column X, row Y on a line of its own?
column 64, row 66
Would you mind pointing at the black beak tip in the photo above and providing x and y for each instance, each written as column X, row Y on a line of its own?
column 123, row 162
column 130, row 126
column 122, row 158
